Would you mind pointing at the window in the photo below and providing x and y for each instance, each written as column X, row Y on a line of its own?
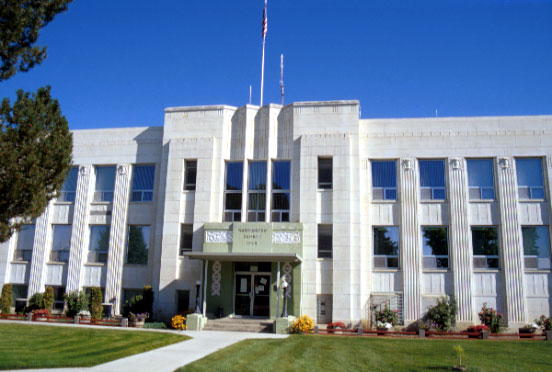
column 186, row 237
column 481, row 179
column 233, row 192
column 256, row 195
column 25, row 241
column 536, row 247
column 61, row 243
column 105, row 184
column 59, row 299
column 182, row 301
column 529, row 178
column 325, row 173
column 138, row 244
column 142, row 183
column 69, row 188
column 435, row 247
column 19, row 293
column 99, row 243
column 325, row 243
column 386, row 247
column 432, row 179
column 280, row 190
column 190, row 167
column 384, row 180
column 485, row 247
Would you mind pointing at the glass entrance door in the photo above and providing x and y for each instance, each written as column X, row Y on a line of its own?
column 252, row 295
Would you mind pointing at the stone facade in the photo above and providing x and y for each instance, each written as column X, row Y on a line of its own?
column 350, row 282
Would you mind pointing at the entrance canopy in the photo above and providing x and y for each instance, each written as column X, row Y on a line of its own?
column 245, row 257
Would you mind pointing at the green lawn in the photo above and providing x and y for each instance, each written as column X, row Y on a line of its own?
column 34, row 346
column 335, row 353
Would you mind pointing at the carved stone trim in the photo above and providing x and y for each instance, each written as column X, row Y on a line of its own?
column 504, row 162
column 286, row 237
column 287, row 269
column 219, row 236
column 83, row 170
column 456, row 163
column 122, row 169
column 215, row 283
column 407, row 164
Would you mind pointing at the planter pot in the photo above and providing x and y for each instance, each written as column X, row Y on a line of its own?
column 526, row 330
column 85, row 319
column 136, row 323
column 41, row 319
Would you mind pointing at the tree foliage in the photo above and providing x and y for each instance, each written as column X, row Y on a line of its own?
column 35, row 157
column 96, row 299
column 6, row 299
column 20, row 21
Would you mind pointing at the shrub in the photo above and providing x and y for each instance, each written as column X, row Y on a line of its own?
column 544, row 322
column 41, row 313
column 142, row 303
column 478, row 328
column 155, row 325
column 443, row 315
column 491, row 318
column 96, row 307
column 76, row 301
column 337, row 325
column 178, row 322
column 140, row 317
column 147, row 297
column 48, row 298
column 36, row 302
column 302, row 325
column 387, row 316
column 6, row 299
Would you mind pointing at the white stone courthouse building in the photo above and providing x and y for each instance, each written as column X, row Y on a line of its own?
column 353, row 213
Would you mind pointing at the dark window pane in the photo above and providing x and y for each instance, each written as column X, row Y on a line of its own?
column 325, row 173
column 432, row 173
column 442, row 263
column 99, row 238
column 143, row 177
column 392, row 262
column 105, row 178
column 480, row 173
column 138, row 245
column 281, row 175
column 386, row 240
column 257, row 201
column 25, row 237
column 182, row 301
column 280, row 200
column 529, row 172
column 492, row 263
column 485, row 241
column 186, row 238
column 257, row 175
column 233, row 201
column 325, row 241
column 390, row 194
column 536, row 245
column 71, row 181
column 435, row 241
column 191, row 173
column 234, row 176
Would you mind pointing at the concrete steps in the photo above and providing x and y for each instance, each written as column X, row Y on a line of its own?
column 239, row 325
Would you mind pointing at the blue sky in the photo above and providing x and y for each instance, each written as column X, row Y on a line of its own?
column 120, row 63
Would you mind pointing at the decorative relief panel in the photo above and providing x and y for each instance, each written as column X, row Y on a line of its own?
column 219, row 237
column 287, row 268
column 215, row 283
column 286, row 237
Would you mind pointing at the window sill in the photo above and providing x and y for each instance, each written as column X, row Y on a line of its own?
column 483, row 201
column 19, row 262
column 141, row 202
column 324, row 190
column 486, row 271
column 63, row 203
column 188, row 191
column 432, row 201
column 538, row 271
column 386, row 270
column 101, row 203
column 436, row 270
column 136, row 265
column 56, row 263
column 532, row 200
column 324, row 258
column 94, row 264
column 394, row 201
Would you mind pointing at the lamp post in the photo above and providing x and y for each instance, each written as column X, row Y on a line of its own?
column 197, row 307
column 285, row 289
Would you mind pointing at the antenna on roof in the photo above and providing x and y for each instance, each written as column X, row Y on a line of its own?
column 436, row 113
column 249, row 93
column 282, row 77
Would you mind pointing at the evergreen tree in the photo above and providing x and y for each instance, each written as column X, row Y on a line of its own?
column 35, row 142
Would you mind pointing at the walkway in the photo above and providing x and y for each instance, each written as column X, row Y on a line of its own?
column 169, row 358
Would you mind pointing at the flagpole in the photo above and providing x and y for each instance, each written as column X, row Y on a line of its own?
column 263, row 59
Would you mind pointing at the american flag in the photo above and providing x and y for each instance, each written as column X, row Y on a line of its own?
column 265, row 21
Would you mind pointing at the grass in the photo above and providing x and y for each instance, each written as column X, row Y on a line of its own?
column 37, row 346
column 334, row 353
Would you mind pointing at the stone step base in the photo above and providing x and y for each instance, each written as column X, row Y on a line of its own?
column 239, row 325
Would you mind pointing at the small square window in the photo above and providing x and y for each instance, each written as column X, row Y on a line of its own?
column 485, row 247
column 190, row 167
column 186, row 237
column 536, row 247
column 435, row 247
column 432, row 179
column 530, row 178
column 384, row 180
column 325, row 241
column 386, row 247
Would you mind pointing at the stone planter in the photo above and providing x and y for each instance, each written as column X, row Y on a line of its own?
column 136, row 323
column 526, row 330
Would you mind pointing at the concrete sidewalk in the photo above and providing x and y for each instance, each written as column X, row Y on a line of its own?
column 169, row 358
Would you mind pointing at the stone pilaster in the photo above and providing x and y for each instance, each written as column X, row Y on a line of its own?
column 117, row 235
column 42, row 241
column 460, row 248
column 79, row 233
column 409, row 241
column 511, row 241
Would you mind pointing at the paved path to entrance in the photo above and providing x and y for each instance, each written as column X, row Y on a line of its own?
column 169, row 358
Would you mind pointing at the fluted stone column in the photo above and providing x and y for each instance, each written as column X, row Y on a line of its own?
column 460, row 233
column 79, row 232
column 511, row 242
column 409, row 241
column 117, row 235
column 42, row 241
